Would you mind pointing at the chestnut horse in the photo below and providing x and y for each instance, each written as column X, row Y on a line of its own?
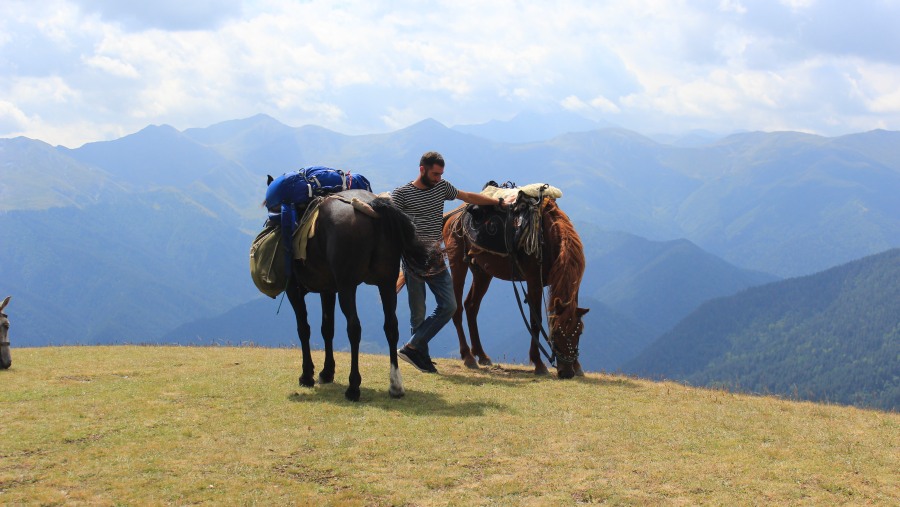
column 348, row 248
column 559, row 263
column 5, row 359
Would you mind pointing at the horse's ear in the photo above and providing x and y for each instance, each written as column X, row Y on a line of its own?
column 581, row 311
column 4, row 303
column 269, row 179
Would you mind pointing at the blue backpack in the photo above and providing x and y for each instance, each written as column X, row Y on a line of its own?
column 297, row 188
column 291, row 192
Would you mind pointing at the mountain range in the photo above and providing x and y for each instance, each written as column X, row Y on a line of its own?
column 145, row 238
column 832, row 336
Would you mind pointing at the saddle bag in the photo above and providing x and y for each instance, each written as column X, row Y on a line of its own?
column 267, row 266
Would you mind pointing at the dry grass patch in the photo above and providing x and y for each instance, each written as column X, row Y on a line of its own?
column 225, row 426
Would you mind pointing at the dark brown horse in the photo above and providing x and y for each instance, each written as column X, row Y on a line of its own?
column 5, row 359
column 348, row 248
column 561, row 266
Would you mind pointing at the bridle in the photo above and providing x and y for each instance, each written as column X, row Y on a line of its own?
column 570, row 355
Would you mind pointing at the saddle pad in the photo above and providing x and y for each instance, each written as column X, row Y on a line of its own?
column 531, row 190
column 485, row 226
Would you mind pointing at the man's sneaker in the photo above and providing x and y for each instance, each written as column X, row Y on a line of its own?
column 420, row 361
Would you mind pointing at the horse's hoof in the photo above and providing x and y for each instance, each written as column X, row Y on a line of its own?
column 307, row 382
column 470, row 363
column 326, row 378
column 352, row 393
column 397, row 393
column 542, row 371
column 485, row 361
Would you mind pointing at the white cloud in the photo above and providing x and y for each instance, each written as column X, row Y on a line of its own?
column 363, row 66
column 113, row 66
column 12, row 119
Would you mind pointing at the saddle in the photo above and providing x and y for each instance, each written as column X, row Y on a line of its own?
column 502, row 232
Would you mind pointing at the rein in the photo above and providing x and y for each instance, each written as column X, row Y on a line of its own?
column 514, row 267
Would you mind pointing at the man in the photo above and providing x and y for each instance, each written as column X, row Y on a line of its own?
column 423, row 200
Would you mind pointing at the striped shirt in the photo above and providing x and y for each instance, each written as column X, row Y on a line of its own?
column 425, row 207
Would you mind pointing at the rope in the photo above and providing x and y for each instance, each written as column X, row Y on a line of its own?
column 514, row 265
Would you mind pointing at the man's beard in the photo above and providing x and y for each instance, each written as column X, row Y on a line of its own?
column 427, row 182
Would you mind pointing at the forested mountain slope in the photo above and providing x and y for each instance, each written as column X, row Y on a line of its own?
column 833, row 336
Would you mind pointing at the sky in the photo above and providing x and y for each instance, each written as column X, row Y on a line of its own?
column 77, row 71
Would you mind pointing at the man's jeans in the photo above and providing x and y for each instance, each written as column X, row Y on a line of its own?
column 422, row 329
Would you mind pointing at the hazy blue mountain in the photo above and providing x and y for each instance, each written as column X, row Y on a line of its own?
column 879, row 145
column 36, row 176
column 236, row 133
column 162, row 157
column 157, row 156
column 127, row 269
column 532, row 126
column 792, row 203
column 691, row 139
column 657, row 283
column 785, row 203
column 832, row 336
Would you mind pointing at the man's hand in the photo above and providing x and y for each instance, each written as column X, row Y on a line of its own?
column 509, row 200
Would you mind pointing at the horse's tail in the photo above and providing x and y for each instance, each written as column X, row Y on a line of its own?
column 422, row 259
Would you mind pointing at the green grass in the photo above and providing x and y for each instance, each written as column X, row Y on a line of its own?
column 230, row 426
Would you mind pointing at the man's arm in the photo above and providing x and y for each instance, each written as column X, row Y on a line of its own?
column 480, row 199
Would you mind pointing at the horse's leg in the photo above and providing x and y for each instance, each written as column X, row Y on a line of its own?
column 392, row 333
column 480, row 283
column 347, row 300
column 295, row 296
column 534, row 309
column 326, row 376
column 458, row 270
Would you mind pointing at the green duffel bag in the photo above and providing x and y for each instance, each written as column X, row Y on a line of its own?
column 267, row 262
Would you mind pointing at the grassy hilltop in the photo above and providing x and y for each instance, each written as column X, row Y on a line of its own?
column 224, row 426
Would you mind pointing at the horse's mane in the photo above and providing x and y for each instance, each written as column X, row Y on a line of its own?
column 568, row 266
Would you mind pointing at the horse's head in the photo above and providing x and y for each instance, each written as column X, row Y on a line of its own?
column 566, row 326
column 568, row 262
column 5, row 360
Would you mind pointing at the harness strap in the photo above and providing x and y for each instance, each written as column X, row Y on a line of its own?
column 514, row 264
column 550, row 358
